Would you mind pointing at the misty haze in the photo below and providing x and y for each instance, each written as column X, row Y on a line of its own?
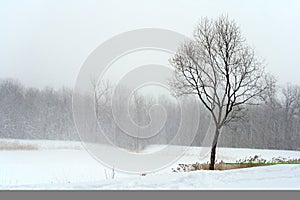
column 149, row 95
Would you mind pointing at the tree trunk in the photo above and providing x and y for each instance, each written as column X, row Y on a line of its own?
column 213, row 149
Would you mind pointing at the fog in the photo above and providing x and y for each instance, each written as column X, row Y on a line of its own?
column 44, row 43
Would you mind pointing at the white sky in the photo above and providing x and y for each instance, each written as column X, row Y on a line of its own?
column 44, row 43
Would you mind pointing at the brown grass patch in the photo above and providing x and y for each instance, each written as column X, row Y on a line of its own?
column 235, row 166
column 251, row 161
column 219, row 166
column 14, row 146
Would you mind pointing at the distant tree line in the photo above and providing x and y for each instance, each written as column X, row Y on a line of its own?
column 30, row 113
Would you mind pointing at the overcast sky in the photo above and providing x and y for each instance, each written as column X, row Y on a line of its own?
column 44, row 43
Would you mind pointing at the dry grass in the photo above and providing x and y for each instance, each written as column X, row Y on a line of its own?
column 238, row 166
column 219, row 166
column 14, row 146
column 247, row 162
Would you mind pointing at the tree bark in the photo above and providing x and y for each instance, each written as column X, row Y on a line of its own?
column 213, row 149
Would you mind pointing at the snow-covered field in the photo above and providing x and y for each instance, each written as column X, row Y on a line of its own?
column 66, row 165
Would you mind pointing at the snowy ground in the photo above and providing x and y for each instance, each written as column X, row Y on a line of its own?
column 66, row 165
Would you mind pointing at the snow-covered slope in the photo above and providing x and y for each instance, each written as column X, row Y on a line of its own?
column 285, row 177
column 66, row 165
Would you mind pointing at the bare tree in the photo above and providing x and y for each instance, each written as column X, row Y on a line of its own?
column 221, row 70
column 291, row 108
column 101, row 91
column 138, row 102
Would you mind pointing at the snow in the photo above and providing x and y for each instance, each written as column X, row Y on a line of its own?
column 66, row 165
column 271, row 177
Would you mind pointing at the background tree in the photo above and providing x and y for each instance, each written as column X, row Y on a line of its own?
column 221, row 70
column 101, row 95
column 290, row 105
column 27, row 113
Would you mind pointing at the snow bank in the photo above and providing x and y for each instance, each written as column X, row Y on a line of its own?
column 66, row 165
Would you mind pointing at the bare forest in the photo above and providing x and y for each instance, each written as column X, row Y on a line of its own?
column 31, row 113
